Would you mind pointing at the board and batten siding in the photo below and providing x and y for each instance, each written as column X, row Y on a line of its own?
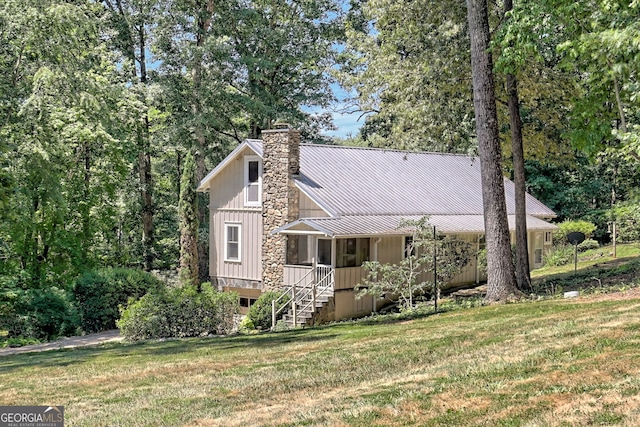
column 250, row 264
column 391, row 250
column 226, row 206
column 295, row 273
column 309, row 208
column 227, row 188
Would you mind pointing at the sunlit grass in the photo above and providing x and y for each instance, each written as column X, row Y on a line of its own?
column 555, row 362
column 591, row 258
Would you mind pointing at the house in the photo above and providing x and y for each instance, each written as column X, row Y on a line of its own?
column 285, row 213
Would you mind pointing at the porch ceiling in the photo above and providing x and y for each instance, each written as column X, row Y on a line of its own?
column 373, row 225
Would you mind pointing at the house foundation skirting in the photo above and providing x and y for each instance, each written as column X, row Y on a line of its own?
column 231, row 282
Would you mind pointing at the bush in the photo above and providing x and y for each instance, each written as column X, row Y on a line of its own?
column 41, row 314
column 260, row 311
column 99, row 293
column 627, row 218
column 559, row 255
column 566, row 227
column 179, row 312
column 588, row 244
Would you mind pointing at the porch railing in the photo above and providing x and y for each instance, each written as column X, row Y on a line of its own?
column 303, row 295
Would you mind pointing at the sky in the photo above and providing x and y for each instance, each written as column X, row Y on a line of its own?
column 347, row 123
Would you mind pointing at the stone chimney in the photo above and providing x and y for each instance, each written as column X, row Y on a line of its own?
column 280, row 199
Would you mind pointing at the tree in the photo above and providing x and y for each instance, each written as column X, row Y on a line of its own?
column 523, row 276
column 410, row 74
column 59, row 120
column 189, row 224
column 131, row 20
column 500, row 276
column 444, row 256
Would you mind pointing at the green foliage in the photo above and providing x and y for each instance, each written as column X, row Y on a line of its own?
column 588, row 244
column 566, row 227
column 407, row 279
column 246, row 326
column 188, row 211
column 627, row 217
column 18, row 342
column 260, row 313
column 179, row 312
column 410, row 71
column 99, row 293
column 41, row 314
column 559, row 255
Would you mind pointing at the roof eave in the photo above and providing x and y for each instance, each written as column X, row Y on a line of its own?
column 204, row 184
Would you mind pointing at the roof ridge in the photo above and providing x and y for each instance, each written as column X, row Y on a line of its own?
column 383, row 149
column 393, row 150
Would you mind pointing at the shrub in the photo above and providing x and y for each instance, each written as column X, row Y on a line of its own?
column 41, row 314
column 559, row 255
column 99, row 293
column 179, row 312
column 260, row 312
column 566, row 227
column 627, row 218
column 588, row 244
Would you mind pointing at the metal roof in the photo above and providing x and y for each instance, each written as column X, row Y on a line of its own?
column 368, row 191
column 362, row 181
column 368, row 181
column 372, row 225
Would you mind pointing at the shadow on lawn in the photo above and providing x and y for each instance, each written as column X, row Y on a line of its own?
column 158, row 348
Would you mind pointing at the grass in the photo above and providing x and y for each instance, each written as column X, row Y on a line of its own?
column 591, row 258
column 549, row 363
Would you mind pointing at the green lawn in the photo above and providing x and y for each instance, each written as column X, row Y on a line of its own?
column 592, row 257
column 548, row 363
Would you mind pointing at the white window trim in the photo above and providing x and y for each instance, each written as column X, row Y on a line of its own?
column 548, row 237
column 538, row 245
column 247, row 202
column 228, row 225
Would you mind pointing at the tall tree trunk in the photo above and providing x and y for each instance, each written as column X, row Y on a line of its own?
column 188, row 208
column 501, row 280
column 134, row 36
column 523, row 276
column 144, row 164
column 204, row 19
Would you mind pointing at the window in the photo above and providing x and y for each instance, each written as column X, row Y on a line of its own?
column 299, row 250
column 351, row 252
column 409, row 249
column 324, row 251
column 537, row 251
column 548, row 238
column 252, row 181
column 232, row 242
column 247, row 302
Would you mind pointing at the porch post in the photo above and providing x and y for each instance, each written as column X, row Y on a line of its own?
column 314, row 284
column 294, row 306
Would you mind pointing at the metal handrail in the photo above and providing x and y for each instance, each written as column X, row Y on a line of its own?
column 298, row 294
column 329, row 279
column 291, row 291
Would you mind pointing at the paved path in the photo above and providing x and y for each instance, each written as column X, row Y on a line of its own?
column 83, row 341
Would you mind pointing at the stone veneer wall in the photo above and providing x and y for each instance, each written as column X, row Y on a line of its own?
column 280, row 199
